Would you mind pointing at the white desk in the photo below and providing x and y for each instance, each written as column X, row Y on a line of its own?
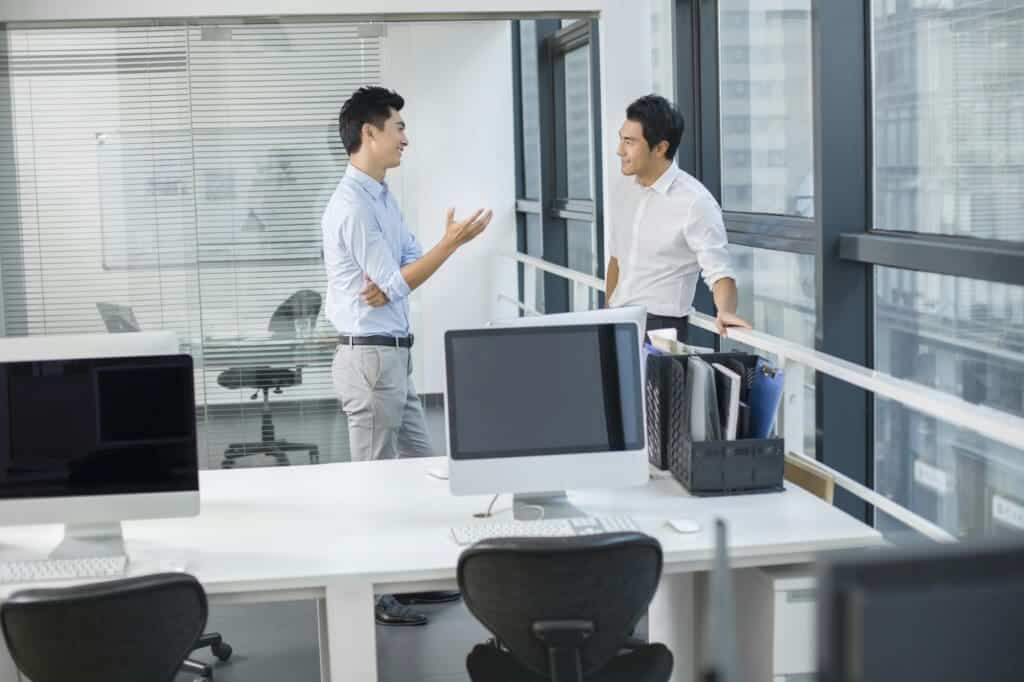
column 341, row 532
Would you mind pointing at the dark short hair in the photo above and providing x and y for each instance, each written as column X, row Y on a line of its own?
column 661, row 122
column 368, row 104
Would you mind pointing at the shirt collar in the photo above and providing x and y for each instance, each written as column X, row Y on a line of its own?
column 373, row 188
column 663, row 183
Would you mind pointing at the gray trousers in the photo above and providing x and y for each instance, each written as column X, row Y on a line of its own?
column 385, row 417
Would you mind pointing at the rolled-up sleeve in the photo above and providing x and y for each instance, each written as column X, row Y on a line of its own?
column 706, row 237
column 411, row 249
column 365, row 242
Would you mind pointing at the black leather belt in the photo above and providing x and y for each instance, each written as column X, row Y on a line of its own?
column 381, row 340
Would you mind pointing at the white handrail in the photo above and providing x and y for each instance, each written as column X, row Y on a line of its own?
column 522, row 306
column 898, row 512
column 986, row 421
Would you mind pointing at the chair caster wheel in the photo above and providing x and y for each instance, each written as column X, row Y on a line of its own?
column 221, row 651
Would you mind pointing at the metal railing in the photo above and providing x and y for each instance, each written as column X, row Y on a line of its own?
column 986, row 421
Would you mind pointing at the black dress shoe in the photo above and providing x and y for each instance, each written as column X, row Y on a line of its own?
column 436, row 597
column 389, row 611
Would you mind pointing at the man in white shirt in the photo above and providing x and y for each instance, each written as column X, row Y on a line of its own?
column 666, row 228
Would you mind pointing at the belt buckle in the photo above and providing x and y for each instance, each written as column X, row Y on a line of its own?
column 398, row 342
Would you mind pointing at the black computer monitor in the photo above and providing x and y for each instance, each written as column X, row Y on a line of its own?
column 952, row 613
column 97, row 440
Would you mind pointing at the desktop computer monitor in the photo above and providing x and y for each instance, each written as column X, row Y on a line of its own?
column 541, row 409
column 944, row 613
column 90, row 442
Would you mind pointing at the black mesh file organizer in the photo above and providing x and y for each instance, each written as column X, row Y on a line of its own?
column 706, row 467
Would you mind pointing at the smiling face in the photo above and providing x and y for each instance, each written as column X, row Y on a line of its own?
column 636, row 156
column 385, row 145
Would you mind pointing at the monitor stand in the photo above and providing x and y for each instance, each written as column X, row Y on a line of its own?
column 548, row 505
column 87, row 540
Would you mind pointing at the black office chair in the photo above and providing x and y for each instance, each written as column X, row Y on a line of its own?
column 302, row 306
column 563, row 609
column 132, row 629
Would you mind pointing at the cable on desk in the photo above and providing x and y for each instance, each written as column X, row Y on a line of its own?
column 487, row 514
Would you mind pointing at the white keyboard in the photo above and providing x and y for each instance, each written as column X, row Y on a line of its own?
column 62, row 569
column 546, row 528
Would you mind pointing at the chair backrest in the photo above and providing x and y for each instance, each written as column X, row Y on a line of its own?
column 510, row 584
column 302, row 305
column 131, row 629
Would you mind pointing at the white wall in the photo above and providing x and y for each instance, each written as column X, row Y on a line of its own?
column 456, row 80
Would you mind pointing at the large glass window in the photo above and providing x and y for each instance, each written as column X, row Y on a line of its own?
column 963, row 337
column 579, row 137
column 777, row 296
column 949, row 117
column 662, row 48
column 765, row 104
column 559, row 178
column 531, row 109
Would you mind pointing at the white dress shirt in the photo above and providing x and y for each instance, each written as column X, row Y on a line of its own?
column 663, row 237
column 364, row 235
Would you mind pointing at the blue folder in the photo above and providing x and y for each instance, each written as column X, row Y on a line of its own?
column 765, row 395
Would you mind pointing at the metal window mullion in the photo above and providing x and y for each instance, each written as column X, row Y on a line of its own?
column 552, row 129
column 844, row 320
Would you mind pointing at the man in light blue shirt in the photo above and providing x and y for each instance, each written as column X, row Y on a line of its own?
column 373, row 263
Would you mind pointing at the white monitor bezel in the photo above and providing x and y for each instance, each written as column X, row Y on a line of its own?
column 94, row 508
column 532, row 474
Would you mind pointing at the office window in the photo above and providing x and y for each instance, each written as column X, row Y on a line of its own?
column 534, row 285
column 583, row 258
column 531, row 109
column 579, row 151
column 966, row 338
column 662, row 49
column 177, row 172
column 777, row 296
column 947, row 93
column 765, row 72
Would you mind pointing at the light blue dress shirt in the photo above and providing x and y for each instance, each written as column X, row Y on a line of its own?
column 364, row 235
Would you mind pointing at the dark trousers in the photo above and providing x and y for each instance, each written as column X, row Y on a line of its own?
column 662, row 322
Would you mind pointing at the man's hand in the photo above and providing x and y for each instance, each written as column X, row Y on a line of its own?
column 725, row 320
column 372, row 295
column 462, row 231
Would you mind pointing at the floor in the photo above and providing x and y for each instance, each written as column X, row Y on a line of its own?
column 274, row 642
column 278, row 641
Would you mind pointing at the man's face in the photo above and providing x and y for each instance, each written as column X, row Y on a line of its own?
column 387, row 143
column 635, row 155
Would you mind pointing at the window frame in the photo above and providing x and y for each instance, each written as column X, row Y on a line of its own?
column 554, row 207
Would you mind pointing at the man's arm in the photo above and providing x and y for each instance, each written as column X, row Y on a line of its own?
column 706, row 237
column 726, row 298
column 611, row 279
column 456, row 234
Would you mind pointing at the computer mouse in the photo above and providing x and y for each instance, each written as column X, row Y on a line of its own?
column 684, row 525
